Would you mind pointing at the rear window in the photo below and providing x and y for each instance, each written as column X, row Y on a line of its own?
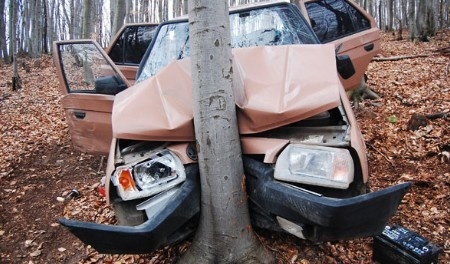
column 334, row 19
column 130, row 47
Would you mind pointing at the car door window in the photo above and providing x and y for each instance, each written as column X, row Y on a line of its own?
column 132, row 44
column 334, row 19
column 86, row 70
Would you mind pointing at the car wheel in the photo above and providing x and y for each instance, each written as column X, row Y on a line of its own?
column 127, row 214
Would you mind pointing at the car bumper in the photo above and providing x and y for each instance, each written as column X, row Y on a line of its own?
column 319, row 218
column 173, row 223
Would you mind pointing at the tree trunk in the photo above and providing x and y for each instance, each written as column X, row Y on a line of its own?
column 390, row 15
column 412, row 20
column 87, row 21
column 185, row 6
column 177, row 10
column 45, row 29
column 3, row 49
column 431, row 8
column 16, row 83
column 224, row 234
column 380, row 18
column 119, row 15
column 36, row 30
column 24, row 43
column 12, row 31
column 425, row 21
column 129, row 12
column 71, row 21
column 144, row 10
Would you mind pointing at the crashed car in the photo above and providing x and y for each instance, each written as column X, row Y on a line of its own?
column 303, row 154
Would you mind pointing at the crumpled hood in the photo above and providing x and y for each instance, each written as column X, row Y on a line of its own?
column 273, row 86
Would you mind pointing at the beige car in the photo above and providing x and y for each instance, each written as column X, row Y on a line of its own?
column 351, row 29
column 88, row 113
column 303, row 154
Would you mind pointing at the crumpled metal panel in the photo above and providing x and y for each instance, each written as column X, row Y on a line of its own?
column 273, row 86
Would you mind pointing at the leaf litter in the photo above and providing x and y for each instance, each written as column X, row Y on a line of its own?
column 38, row 164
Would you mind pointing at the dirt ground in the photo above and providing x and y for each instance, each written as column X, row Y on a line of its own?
column 38, row 164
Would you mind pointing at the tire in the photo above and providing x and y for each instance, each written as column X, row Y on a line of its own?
column 127, row 214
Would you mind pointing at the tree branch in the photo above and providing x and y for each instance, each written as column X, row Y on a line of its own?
column 397, row 58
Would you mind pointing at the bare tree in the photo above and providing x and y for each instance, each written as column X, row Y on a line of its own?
column 16, row 83
column 390, row 15
column 87, row 21
column 118, row 9
column 3, row 49
column 224, row 234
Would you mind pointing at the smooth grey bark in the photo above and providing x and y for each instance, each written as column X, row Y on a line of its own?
column 144, row 10
column 424, row 24
column 16, row 83
column 118, row 7
column 68, row 18
column 177, row 8
column 3, row 49
column 34, row 47
column 390, row 16
column 12, row 30
column 87, row 20
column 224, row 234
column 129, row 12
column 404, row 12
column 24, row 37
column 45, row 29
column 412, row 20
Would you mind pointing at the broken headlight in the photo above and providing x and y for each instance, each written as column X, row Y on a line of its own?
column 149, row 176
column 315, row 165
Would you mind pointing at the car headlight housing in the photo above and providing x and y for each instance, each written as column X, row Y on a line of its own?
column 315, row 165
column 151, row 175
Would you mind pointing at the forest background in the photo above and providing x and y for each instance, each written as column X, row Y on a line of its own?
column 28, row 27
column 38, row 163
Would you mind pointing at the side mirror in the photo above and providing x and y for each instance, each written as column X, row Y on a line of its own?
column 345, row 66
column 109, row 85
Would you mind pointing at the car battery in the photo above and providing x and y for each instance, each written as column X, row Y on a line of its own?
column 398, row 245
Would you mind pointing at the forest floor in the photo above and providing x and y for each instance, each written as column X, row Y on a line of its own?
column 38, row 164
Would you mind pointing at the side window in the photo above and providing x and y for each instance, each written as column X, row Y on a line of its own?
column 130, row 47
column 334, row 19
column 86, row 70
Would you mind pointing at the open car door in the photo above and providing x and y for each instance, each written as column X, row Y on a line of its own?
column 89, row 81
column 351, row 29
column 128, row 47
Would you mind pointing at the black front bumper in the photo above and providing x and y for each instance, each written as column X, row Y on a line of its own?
column 320, row 218
column 173, row 223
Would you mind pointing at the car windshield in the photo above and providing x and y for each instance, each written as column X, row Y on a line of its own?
column 275, row 25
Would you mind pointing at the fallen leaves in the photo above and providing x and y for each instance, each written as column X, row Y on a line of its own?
column 38, row 165
column 411, row 89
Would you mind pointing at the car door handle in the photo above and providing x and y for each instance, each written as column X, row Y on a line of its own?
column 79, row 115
column 369, row 47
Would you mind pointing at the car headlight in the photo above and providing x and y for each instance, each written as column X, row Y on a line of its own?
column 152, row 175
column 315, row 165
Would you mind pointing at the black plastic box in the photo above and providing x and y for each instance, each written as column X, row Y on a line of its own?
column 398, row 245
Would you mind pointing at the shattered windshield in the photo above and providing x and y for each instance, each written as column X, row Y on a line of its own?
column 276, row 25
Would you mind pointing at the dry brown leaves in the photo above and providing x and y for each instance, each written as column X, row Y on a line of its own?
column 31, row 117
column 396, row 154
column 32, row 120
